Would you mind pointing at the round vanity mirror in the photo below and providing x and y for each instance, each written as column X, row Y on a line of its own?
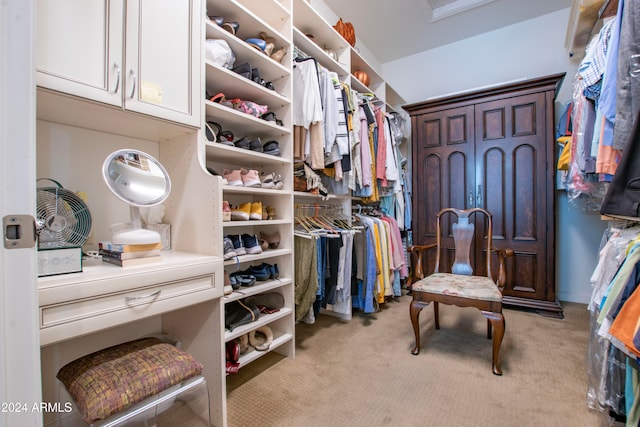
column 140, row 180
column 136, row 177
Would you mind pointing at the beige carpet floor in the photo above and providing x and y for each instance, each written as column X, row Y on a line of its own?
column 361, row 373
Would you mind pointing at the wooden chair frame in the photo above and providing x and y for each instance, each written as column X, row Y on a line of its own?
column 491, row 310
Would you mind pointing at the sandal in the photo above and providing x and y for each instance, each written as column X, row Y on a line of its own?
column 217, row 98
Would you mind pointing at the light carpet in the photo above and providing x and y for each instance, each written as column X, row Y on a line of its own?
column 361, row 373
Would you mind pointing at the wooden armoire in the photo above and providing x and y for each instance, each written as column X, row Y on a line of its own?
column 493, row 148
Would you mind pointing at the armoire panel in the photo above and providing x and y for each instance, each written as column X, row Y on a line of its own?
column 491, row 189
column 457, row 129
column 456, row 180
column 432, row 133
column 524, row 119
column 493, row 124
column 431, row 190
column 524, row 272
column 524, row 198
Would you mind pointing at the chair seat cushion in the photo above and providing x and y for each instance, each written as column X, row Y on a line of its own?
column 474, row 287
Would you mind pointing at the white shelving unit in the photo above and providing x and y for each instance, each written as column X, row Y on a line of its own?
column 274, row 18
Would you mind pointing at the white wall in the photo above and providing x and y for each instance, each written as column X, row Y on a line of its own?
column 530, row 49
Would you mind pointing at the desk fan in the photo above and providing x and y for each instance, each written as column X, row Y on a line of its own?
column 62, row 219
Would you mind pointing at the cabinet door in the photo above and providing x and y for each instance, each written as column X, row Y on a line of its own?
column 511, row 183
column 161, row 48
column 444, row 173
column 79, row 47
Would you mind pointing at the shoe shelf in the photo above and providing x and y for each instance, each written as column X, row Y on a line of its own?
column 251, row 223
column 307, row 20
column 254, row 16
column 263, row 319
column 252, row 258
column 233, row 85
column 311, row 48
column 233, row 189
column 279, row 338
column 224, row 154
column 258, row 288
column 271, row 11
column 244, row 52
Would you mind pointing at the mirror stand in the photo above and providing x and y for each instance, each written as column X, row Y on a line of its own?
column 140, row 180
column 133, row 233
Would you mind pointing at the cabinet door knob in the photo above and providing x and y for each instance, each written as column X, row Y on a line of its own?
column 471, row 198
column 479, row 196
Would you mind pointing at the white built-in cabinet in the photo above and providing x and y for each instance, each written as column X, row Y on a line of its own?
column 132, row 74
column 122, row 53
column 114, row 75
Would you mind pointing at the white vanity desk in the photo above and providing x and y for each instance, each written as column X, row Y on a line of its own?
column 104, row 295
column 106, row 305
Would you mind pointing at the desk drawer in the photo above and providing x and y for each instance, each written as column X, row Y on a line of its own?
column 138, row 301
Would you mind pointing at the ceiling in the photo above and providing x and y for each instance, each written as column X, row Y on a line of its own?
column 395, row 29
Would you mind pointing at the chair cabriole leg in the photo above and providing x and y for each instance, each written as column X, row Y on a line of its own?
column 414, row 312
column 497, row 321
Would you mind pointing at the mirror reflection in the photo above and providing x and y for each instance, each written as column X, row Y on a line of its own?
column 136, row 177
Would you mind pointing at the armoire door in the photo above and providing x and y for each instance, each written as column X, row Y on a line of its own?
column 492, row 149
column 443, row 173
column 511, row 153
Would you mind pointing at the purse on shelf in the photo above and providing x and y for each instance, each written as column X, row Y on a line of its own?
column 346, row 30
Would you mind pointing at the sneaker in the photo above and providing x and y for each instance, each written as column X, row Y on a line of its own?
column 229, row 251
column 242, row 212
column 250, row 178
column 238, row 247
column 235, row 285
column 267, row 181
column 233, row 178
column 251, row 244
column 260, row 272
column 242, row 279
column 256, row 145
column 277, row 182
column 256, row 211
column 226, row 211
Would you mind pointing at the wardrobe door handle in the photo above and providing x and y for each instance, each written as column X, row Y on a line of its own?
column 136, row 298
column 479, row 196
column 471, row 198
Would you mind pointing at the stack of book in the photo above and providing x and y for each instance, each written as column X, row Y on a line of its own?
column 125, row 255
